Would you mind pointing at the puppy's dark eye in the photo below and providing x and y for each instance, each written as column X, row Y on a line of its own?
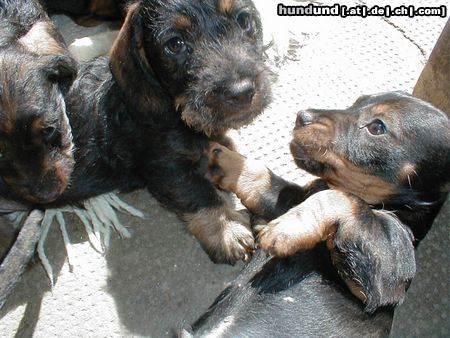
column 376, row 127
column 49, row 134
column 176, row 46
column 244, row 19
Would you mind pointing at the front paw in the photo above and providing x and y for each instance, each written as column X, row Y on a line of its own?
column 225, row 166
column 280, row 237
column 290, row 233
column 223, row 233
column 235, row 243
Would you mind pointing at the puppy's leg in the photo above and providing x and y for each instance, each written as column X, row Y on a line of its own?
column 223, row 232
column 372, row 250
column 260, row 190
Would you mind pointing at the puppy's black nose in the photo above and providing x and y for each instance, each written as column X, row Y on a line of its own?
column 303, row 119
column 240, row 93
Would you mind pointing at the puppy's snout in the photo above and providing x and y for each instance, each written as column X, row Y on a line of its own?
column 304, row 117
column 45, row 195
column 47, row 189
column 241, row 92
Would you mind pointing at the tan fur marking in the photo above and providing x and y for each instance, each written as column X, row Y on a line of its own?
column 308, row 224
column 180, row 102
column 62, row 174
column 183, row 22
column 348, row 177
column 247, row 178
column 382, row 108
column 226, row 6
column 39, row 40
column 37, row 125
column 222, row 231
column 8, row 106
column 345, row 175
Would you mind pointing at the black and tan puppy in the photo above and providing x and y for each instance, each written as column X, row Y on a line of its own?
column 189, row 71
column 36, row 149
column 182, row 74
column 386, row 160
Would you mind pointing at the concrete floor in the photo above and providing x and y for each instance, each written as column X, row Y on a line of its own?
column 152, row 283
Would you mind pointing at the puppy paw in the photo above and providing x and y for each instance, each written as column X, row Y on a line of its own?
column 281, row 236
column 290, row 233
column 224, row 234
column 237, row 243
column 225, row 166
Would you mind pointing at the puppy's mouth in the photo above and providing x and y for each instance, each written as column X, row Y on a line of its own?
column 310, row 146
column 304, row 159
column 44, row 189
column 36, row 195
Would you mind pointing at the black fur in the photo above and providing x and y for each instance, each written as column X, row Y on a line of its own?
column 36, row 157
column 183, row 98
column 146, row 115
column 298, row 296
column 106, row 139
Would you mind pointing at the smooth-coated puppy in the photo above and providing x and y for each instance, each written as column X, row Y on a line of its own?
column 386, row 160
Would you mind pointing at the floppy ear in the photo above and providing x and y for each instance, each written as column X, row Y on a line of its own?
column 131, row 68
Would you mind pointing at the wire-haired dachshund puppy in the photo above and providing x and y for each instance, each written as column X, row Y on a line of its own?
column 189, row 71
column 182, row 74
column 36, row 148
column 386, row 160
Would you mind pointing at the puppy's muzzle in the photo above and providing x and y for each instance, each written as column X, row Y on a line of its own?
column 304, row 118
column 240, row 93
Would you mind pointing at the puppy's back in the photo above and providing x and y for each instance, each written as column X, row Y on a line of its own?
column 299, row 296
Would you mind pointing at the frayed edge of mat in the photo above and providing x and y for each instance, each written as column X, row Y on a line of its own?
column 98, row 216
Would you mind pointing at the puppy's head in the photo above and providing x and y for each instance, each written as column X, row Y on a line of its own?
column 205, row 56
column 384, row 148
column 36, row 158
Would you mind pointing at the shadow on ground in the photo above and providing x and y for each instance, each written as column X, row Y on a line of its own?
column 161, row 279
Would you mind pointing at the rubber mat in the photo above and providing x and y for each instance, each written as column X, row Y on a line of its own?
column 160, row 279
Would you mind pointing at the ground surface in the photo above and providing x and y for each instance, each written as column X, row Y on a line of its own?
column 160, row 278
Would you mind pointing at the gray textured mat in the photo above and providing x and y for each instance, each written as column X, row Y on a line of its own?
column 160, row 277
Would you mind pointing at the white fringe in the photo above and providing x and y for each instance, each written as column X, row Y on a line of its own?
column 98, row 217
